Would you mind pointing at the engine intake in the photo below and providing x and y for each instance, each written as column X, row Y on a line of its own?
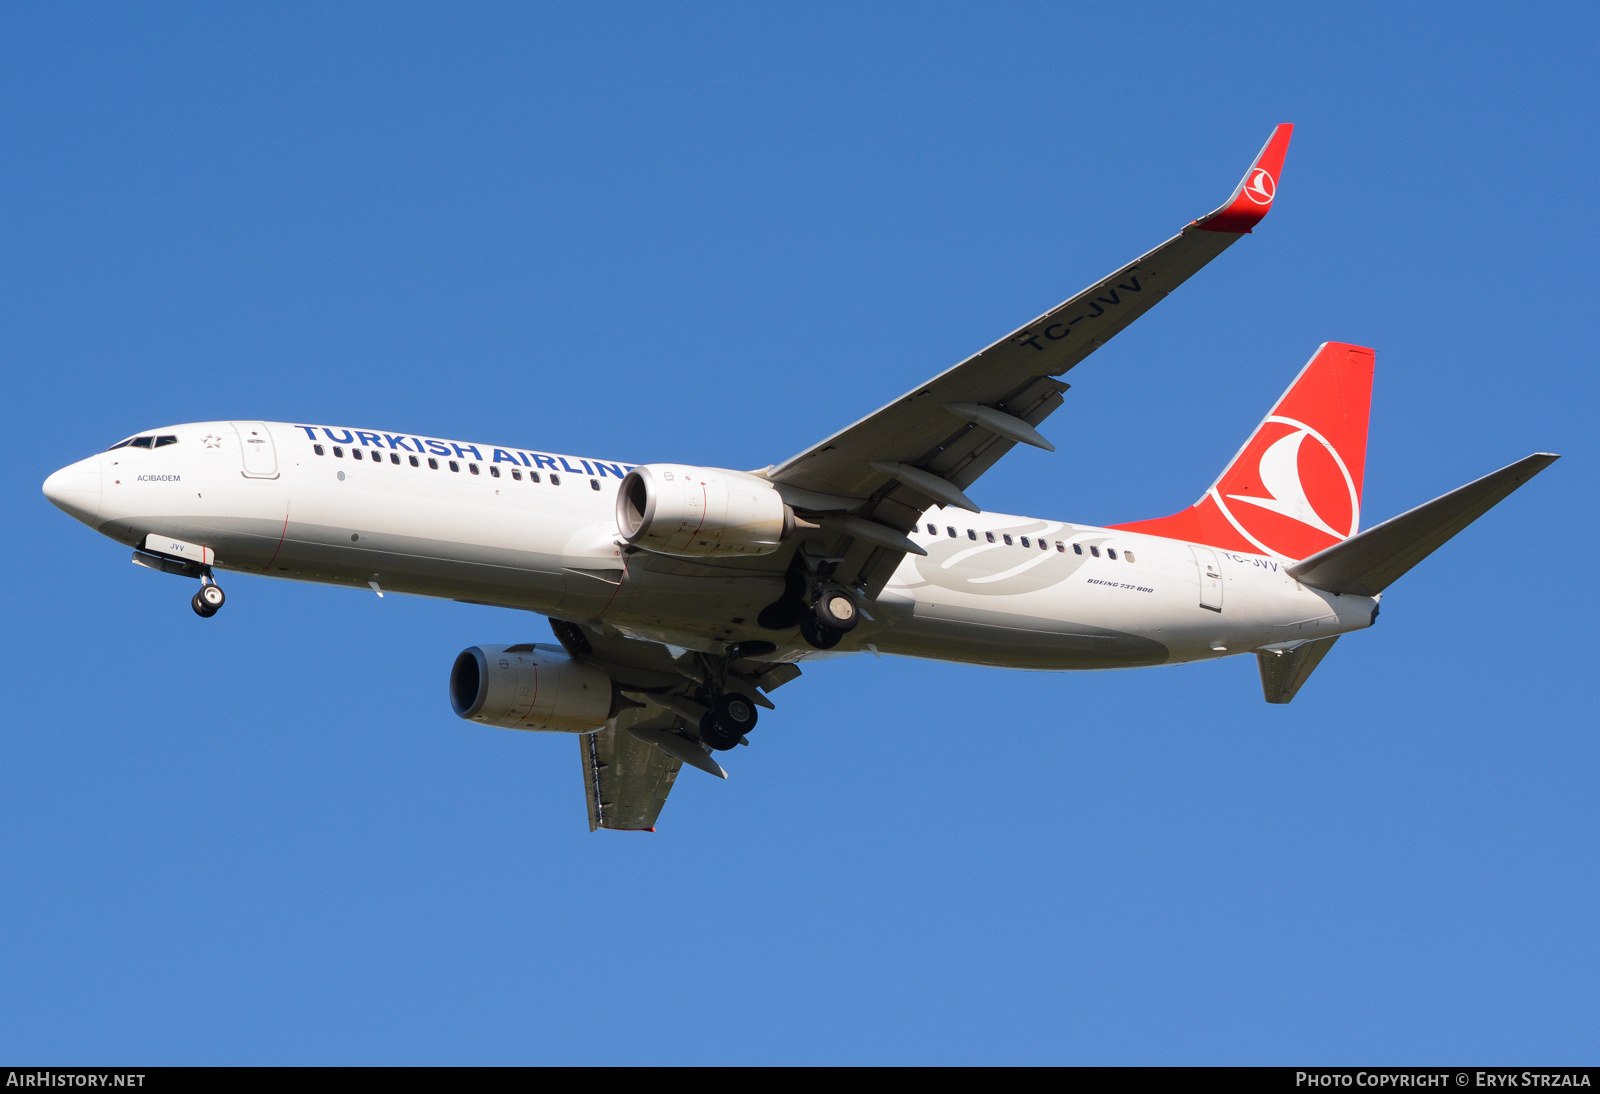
column 700, row 511
column 529, row 687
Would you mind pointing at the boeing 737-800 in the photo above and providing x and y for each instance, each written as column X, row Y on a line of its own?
column 682, row 597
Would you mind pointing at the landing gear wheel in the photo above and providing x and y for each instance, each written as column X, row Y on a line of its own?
column 819, row 637
column 212, row 596
column 836, row 609
column 714, row 735
column 735, row 713
column 201, row 608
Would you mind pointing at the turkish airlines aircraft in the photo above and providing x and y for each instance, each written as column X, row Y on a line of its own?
column 682, row 596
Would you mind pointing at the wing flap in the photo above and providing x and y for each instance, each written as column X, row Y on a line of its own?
column 625, row 779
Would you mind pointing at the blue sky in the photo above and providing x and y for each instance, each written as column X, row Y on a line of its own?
column 715, row 235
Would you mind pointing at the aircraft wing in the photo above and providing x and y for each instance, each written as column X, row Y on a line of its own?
column 629, row 766
column 929, row 445
column 625, row 778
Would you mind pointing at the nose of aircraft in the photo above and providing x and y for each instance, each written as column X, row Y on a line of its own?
column 75, row 489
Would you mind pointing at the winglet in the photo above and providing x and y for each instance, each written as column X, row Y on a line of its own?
column 1253, row 196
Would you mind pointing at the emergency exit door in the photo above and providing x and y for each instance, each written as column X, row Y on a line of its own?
column 1205, row 560
column 255, row 446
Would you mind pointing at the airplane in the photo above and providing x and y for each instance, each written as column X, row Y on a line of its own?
column 681, row 597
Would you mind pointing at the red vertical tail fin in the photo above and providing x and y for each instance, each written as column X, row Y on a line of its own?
column 1295, row 487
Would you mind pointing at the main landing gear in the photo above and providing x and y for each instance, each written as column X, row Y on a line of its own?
column 209, row 600
column 823, row 611
column 833, row 615
column 728, row 720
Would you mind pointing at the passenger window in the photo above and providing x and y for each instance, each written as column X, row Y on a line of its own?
column 1077, row 548
column 317, row 448
column 1061, row 548
column 1043, row 546
column 516, row 474
column 972, row 533
column 933, row 529
column 162, row 442
column 142, row 442
column 454, row 466
column 1128, row 555
column 952, row 532
column 989, row 536
column 394, row 458
column 355, row 453
column 1006, row 537
column 1111, row 552
column 414, row 462
column 555, row 479
column 594, row 484
column 533, row 476
column 494, row 471
column 1095, row 551
column 473, row 468
column 337, row 451
column 1025, row 542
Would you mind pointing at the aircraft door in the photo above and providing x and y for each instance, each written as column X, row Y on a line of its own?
column 1205, row 560
column 255, row 443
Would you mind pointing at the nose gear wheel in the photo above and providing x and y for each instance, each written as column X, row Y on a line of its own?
column 209, row 600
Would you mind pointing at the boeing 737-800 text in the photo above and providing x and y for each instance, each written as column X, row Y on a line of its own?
column 681, row 597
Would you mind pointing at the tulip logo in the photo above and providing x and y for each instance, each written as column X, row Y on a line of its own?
column 1302, row 481
column 1261, row 187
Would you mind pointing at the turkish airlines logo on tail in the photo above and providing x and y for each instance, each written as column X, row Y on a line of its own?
column 1261, row 187
column 1290, row 490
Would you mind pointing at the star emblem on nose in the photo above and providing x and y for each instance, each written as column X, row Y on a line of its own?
column 211, row 440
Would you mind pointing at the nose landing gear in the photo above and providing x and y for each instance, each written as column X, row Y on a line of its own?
column 209, row 600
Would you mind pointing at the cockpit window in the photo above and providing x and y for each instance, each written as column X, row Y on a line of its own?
column 162, row 442
column 120, row 444
column 142, row 442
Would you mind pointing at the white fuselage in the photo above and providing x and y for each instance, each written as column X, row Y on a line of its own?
column 491, row 531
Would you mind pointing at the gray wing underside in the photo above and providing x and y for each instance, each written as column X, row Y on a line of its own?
column 625, row 779
column 629, row 767
column 1015, row 370
column 1016, row 375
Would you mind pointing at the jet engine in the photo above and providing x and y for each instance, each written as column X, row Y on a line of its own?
column 529, row 687
column 698, row 512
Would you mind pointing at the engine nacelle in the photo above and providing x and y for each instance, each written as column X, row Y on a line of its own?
column 701, row 511
column 529, row 687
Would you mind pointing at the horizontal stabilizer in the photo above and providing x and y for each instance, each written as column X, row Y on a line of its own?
column 1283, row 673
column 1368, row 563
